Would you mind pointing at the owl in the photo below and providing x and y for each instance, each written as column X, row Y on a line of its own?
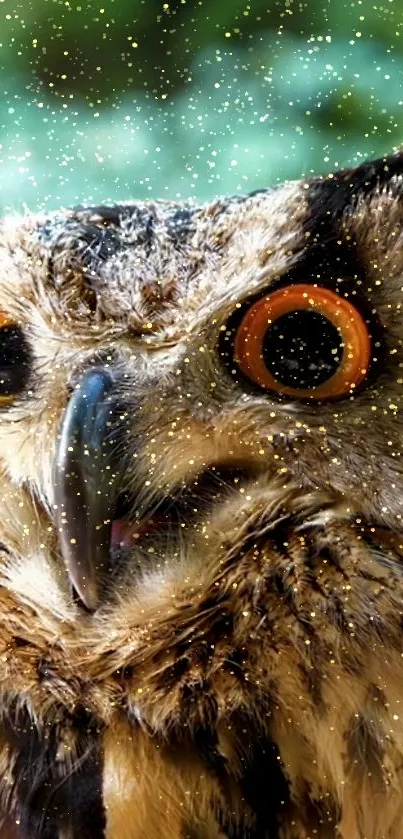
column 201, row 536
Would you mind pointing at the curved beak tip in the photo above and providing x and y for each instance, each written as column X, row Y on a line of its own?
column 89, row 595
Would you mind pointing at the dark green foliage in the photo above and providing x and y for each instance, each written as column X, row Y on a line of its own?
column 122, row 98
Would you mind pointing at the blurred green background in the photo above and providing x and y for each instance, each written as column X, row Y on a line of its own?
column 114, row 99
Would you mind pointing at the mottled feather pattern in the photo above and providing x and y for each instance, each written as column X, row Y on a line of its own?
column 242, row 676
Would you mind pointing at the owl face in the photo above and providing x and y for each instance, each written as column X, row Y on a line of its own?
column 158, row 358
column 197, row 404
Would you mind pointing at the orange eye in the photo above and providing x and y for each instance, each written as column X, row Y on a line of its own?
column 303, row 341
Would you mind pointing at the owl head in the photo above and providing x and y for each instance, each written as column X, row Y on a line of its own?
column 201, row 512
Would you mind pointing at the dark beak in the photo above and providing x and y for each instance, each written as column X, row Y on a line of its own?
column 86, row 484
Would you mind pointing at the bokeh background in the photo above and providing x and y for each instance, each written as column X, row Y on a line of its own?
column 114, row 99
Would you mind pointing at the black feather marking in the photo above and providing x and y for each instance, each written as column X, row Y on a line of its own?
column 181, row 224
column 264, row 784
column 97, row 244
column 335, row 192
column 106, row 214
column 364, row 743
column 140, row 228
column 54, row 794
column 173, row 674
column 328, row 254
column 321, row 814
column 262, row 787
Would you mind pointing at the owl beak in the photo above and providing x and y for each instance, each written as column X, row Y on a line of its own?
column 85, row 484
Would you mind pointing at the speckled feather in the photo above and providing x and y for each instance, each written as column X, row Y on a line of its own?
column 242, row 678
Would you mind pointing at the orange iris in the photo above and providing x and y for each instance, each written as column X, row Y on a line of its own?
column 304, row 341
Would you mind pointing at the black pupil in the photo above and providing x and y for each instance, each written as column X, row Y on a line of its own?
column 302, row 349
column 14, row 360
